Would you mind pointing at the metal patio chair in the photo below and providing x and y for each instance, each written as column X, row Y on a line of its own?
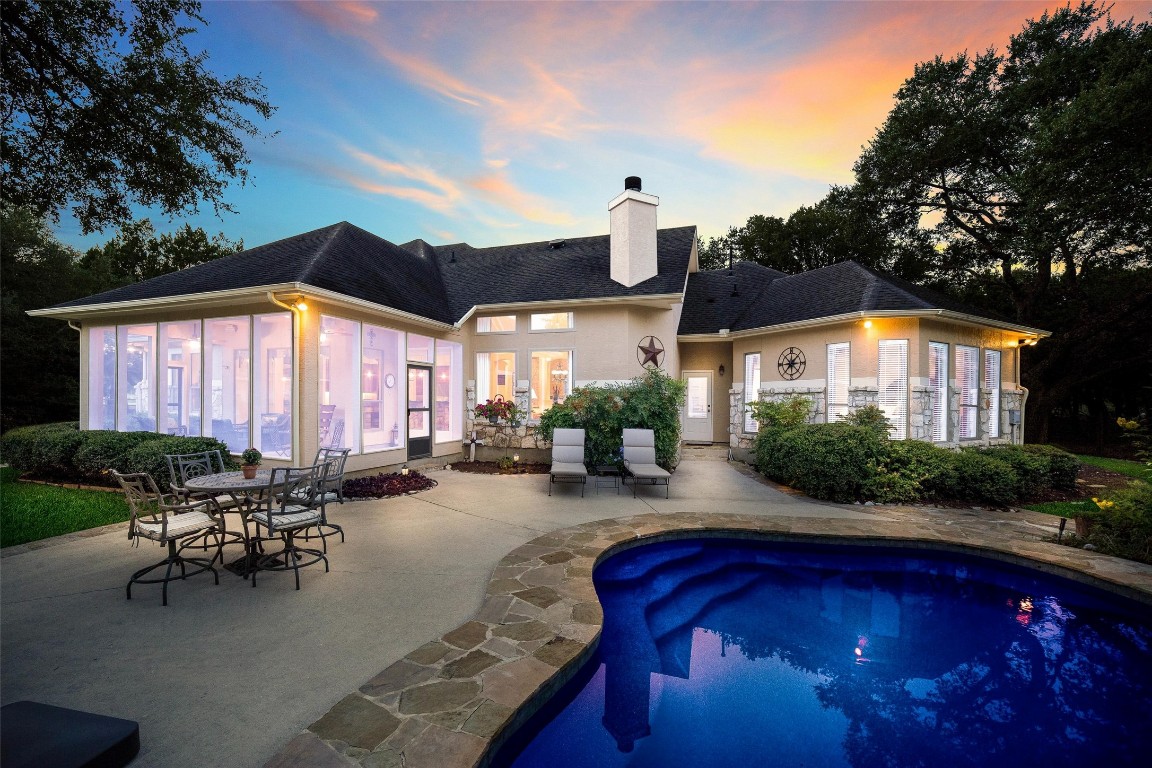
column 290, row 505
column 640, row 460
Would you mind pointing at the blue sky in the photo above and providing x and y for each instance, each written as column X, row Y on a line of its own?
column 497, row 123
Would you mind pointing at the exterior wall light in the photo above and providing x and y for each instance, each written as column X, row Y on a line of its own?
column 867, row 323
column 721, row 369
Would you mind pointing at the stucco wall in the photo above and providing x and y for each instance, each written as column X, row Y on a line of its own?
column 709, row 356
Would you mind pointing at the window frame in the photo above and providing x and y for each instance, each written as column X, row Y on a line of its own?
column 531, row 382
column 532, row 322
column 939, row 389
column 480, row 331
column 752, row 393
column 967, row 413
column 832, row 407
column 993, row 386
column 898, row 425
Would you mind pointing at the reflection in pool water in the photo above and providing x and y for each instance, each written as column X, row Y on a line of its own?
column 734, row 653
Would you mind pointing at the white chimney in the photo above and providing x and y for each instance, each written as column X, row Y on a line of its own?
column 633, row 234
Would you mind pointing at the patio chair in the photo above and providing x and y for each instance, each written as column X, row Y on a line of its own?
column 640, row 460
column 568, row 459
column 183, row 466
column 291, row 505
column 331, row 489
column 169, row 521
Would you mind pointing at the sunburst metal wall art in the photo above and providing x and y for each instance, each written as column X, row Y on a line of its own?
column 791, row 363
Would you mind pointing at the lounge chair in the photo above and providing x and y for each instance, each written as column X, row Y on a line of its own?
column 640, row 460
column 568, row 459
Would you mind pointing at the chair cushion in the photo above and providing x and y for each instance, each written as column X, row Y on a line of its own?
column 178, row 525
column 640, row 455
column 639, row 438
column 568, row 436
column 568, row 469
column 568, row 454
column 293, row 517
column 648, row 471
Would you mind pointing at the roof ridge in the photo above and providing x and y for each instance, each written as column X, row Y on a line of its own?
column 322, row 251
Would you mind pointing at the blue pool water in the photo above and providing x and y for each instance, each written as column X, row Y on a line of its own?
column 734, row 653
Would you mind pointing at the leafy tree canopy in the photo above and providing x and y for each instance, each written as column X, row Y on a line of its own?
column 1029, row 165
column 104, row 106
column 137, row 253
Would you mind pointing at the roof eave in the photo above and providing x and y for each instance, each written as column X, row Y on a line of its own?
column 658, row 300
column 959, row 317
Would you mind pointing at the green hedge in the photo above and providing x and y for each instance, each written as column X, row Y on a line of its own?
column 845, row 462
column 1125, row 528
column 64, row 452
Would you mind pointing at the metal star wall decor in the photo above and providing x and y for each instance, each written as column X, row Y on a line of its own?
column 791, row 363
column 650, row 352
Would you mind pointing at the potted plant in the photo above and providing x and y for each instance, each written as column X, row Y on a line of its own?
column 493, row 410
column 515, row 415
column 249, row 462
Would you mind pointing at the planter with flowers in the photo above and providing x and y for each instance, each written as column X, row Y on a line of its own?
column 250, row 462
column 497, row 409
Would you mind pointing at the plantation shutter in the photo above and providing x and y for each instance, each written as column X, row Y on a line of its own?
column 938, row 383
column 968, row 383
column 892, row 381
column 839, row 370
column 992, row 384
column 751, row 389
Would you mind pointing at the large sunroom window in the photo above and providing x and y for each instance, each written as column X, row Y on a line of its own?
column 102, row 378
column 136, row 370
column 551, row 379
column 383, row 377
column 272, row 379
column 338, row 421
column 227, row 369
column 180, row 353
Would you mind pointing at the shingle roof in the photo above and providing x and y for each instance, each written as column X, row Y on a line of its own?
column 768, row 298
column 437, row 282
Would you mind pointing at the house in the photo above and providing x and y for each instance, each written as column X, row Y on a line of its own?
column 338, row 337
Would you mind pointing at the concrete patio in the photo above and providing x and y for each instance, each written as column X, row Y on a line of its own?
column 232, row 675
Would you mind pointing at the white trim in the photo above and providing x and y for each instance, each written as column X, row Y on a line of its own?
column 851, row 316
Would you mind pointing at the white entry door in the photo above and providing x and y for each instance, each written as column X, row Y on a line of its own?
column 698, row 407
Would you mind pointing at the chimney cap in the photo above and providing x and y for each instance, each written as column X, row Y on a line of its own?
column 632, row 182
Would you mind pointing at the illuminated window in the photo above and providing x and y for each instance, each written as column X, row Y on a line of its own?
column 751, row 389
column 967, row 382
column 992, row 384
column 495, row 375
column 496, row 324
column 839, row 370
column 102, row 378
column 551, row 380
column 136, row 370
column 938, row 384
column 180, row 377
column 272, row 375
column 338, row 420
column 227, row 370
column 551, row 321
column 383, row 381
column 892, row 385
column 449, row 387
column 419, row 348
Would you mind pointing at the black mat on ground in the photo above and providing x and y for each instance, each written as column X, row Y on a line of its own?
column 38, row 735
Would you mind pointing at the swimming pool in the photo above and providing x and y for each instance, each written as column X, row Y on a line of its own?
column 719, row 652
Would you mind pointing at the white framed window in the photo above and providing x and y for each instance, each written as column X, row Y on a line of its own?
column 272, row 375
column 751, row 389
column 968, row 386
column 227, row 369
column 102, row 378
column 938, row 384
column 383, row 388
column 839, row 372
column 136, row 370
column 419, row 348
column 550, row 380
column 448, row 391
column 495, row 375
column 179, row 351
column 892, row 385
column 338, row 421
column 496, row 324
column 551, row 321
column 992, row 384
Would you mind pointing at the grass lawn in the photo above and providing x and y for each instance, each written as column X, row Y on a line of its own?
column 30, row 511
column 1120, row 466
column 1064, row 508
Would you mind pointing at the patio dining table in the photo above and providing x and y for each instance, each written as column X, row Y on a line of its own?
column 247, row 492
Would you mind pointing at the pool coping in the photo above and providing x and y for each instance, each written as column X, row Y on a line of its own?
column 452, row 702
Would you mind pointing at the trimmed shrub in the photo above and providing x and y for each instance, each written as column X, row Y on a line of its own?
column 148, row 456
column 825, row 461
column 911, row 470
column 1032, row 470
column 102, row 450
column 42, row 449
column 1063, row 467
column 981, row 477
column 1125, row 528
column 789, row 412
column 871, row 417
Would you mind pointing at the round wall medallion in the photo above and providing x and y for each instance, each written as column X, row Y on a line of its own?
column 389, row 381
column 791, row 363
column 650, row 352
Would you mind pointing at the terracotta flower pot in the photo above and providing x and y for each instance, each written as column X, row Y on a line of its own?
column 249, row 471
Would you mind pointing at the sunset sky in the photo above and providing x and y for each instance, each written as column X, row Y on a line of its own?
column 497, row 123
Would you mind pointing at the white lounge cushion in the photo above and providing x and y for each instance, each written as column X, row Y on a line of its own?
column 568, row 469
column 293, row 517
column 178, row 525
column 647, row 471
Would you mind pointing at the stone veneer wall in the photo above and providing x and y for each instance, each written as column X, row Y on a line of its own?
column 920, row 417
column 501, row 435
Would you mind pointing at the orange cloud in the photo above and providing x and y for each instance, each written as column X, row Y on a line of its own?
column 497, row 189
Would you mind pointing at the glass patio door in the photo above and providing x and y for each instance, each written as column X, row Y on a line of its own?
column 419, row 411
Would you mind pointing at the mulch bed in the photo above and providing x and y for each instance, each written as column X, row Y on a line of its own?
column 384, row 485
column 1092, row 481
column 493, row 468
